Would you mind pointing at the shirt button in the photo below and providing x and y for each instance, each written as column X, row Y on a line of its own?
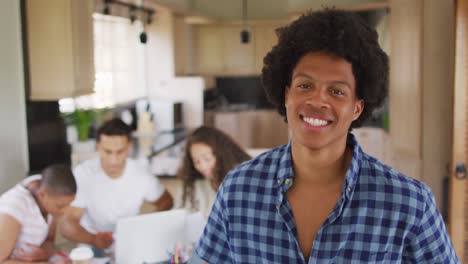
column 280, row 181
column 349, row 189
column 288, row 181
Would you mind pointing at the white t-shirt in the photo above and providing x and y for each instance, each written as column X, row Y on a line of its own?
column 204, row 197
column 106, row 200
column 19, row 203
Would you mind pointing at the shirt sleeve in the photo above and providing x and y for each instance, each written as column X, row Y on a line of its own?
column 154, row 188
column 213, row 245
column 431, row 243
column 14, row 208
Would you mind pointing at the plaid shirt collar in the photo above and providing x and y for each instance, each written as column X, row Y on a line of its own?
column 285, row 175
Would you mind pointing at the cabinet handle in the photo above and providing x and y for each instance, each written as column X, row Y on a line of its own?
column 460, row 171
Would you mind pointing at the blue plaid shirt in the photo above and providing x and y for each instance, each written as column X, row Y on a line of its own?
column 382, row 216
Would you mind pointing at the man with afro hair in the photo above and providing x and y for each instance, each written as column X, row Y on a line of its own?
column 320, row 198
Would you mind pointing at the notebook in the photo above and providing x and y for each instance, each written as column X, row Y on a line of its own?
column 149, row 238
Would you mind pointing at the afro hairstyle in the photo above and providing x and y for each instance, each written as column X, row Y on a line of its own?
column 341, row 33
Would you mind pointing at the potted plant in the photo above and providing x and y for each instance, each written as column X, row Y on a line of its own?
column 85, row 119
column 82, row 120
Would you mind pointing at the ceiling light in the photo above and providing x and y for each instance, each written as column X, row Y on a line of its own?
column 245, row 35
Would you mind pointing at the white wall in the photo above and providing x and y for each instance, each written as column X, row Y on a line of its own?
column 189, row 91
column 161, row 80
column 13, row 139
column 160, row 51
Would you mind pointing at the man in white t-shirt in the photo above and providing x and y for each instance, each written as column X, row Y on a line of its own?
column 28, row 214
column 110, row 187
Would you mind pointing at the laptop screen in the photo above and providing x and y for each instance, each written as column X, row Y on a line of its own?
column 151, row 238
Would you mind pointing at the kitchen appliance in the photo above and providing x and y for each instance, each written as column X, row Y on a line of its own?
column 242, row 92
column 167, row 115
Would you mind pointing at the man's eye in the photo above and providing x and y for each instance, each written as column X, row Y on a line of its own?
column 304, row 86
column 337, row 92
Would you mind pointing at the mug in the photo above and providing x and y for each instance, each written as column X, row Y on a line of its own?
column 81, row 255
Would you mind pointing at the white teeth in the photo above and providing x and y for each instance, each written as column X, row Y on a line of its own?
column 315, row 121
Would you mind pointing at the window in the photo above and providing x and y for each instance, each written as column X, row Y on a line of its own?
column 119, row 60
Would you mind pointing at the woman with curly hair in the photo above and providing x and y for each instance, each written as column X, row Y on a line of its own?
column 321, row 198
column 209, row 155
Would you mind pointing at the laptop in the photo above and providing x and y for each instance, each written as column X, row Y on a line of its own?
column 150, row 238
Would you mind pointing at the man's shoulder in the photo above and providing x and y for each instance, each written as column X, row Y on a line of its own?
column 257, row 170
column 87, row 168
column 17, row 199
column 88, row 164
column 390, row 181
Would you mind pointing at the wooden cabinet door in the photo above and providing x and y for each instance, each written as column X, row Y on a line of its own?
column 405, row 85
column 83, row 46
column 60, row 48
column 49, row 49
column 209, row 50
column 251, row 129
column 265, row 38
column 219, row 49
column 458, row 210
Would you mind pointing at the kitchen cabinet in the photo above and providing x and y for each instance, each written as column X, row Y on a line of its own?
column 209, row 50
column 265, row 39
column 60, row 48
column 251, row 128
column 183, row 47
column 219, row 50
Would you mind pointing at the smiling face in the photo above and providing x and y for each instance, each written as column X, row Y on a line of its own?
column 203, row 159
column 321, row 102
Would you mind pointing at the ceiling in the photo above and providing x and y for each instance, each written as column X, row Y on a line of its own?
column 225, row 10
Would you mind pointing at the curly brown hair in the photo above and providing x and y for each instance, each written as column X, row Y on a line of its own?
column 227, row 152
column 338, row 32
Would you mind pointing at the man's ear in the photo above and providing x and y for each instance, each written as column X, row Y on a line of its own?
column 41, row 192
column 358, row 108
column 130, row 145
column 286, row 93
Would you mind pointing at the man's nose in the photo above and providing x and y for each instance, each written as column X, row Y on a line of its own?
column 114, row 159
column 318, row 98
